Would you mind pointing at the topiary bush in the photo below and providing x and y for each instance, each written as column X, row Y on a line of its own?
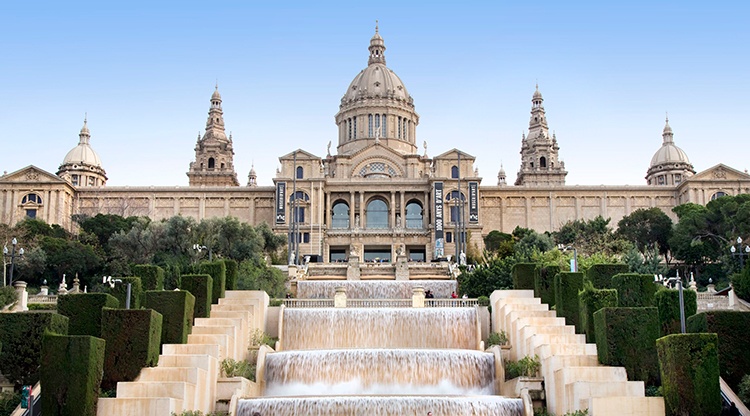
column 741, row 283
column 85, row 311
column 133, row 338
column 176, row 308
column 544, row 282
column 172, row 277
column 627, row 337
column 591, row 300
column 218, row 272
column 567, row 286
column 668, row 302
column 152, row 277
column 600, row 275
column 21, row 335
column 689, row 366
column 71, row 373
column 200, row 286
column 523, row 275
column 634, row 290
column 232, row 273
column 733, row 329
column 120, row 291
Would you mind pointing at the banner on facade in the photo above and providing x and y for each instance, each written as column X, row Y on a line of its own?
column 438, row 198
column 473, row 202
column 281, row 203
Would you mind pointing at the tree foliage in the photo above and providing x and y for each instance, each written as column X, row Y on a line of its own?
column 648, row 230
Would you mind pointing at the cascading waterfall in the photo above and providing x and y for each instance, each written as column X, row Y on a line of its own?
column 380, row 289
column 379, row 372
column 383, row 406
column 334, row 328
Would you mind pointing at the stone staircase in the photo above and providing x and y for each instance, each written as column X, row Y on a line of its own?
column 573, row 378
column 187, row 374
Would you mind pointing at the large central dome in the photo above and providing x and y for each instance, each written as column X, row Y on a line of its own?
column 377, row 108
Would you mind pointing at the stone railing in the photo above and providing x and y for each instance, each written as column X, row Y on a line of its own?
column 379, row 303
column 46, row 299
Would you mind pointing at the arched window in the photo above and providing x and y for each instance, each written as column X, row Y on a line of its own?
column 300, row 172
column 718, row 195
column 340, row 217
column 454, row 172
column 414, row 215
column 377, row 214
column 211, row 163
column 32, row 199
column 542, row 162
column 300, row 195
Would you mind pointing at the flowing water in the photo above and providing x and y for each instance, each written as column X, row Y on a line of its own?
column 381, row 289
column 383, row 406
column 380, row 372
column 335, row 328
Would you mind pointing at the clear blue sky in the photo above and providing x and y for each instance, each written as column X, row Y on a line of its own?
column 144, row 73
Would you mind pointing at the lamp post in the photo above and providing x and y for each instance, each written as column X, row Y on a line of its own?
column 737, row 251
column 111, row 282
column 574, row 264
column 670, row 282
column 199, row 248
column 12, row 255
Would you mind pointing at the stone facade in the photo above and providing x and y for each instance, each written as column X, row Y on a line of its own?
column 377, row 193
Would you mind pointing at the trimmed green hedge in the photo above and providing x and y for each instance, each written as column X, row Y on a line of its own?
column 733, row 329
column 71, row 373
column 85, row 311
column 176, row 307
column 233, row 270
column 172, row 278
column 567, row 286
column 120, row 291
column 201, row 286
column 634, row 290
column 218, row 272
column 133, row 339
column 523, row 276
column 544, row 282
column 600, row 275
column 21, row 336
column 627, row 337
column 690, row 374
column 668, row 302
column 591, row 300
column 152, row 277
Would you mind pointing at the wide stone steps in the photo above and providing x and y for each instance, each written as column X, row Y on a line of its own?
column 573, row 378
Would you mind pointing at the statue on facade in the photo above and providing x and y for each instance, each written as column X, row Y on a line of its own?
column 329, row 148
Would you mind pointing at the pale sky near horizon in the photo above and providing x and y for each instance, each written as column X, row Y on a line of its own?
column 144, row 72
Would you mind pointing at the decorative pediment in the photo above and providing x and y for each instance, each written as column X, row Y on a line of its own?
column 31, row 174
column 453, row 155
column 301, row 155
column 720, row 172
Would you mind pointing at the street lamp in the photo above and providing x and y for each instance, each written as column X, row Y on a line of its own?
column 574, row 261
column 670, row 282
column 109, row 280
column 12, row 254
column 738, row 251
column 199, row 248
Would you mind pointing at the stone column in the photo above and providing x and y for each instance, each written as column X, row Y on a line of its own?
column 351, row 209
column 393, row 209
column 22, row 297
column 417, row 297
column 339, row 299
column 352, row 271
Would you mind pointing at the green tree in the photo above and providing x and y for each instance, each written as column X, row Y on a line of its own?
column 647, row 229
column 590, row 236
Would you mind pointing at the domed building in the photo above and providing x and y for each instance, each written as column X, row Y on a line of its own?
column 670, row 164
column 82, row 166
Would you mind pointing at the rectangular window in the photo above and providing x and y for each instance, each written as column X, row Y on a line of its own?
column 306, row 237
column 299, row 214
column 31, row 213
column 449, row 237
column 369, row 125
column 384, row 130
column 349, row 125
column 74, row 180
column 355, row 127
column 399, row 128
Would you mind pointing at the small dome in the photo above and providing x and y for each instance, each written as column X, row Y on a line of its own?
column 216, row 95
column 82, row 154
column 376, row 80
column 669, row 154
column 537, row 94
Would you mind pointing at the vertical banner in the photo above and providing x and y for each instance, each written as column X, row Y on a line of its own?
column 473, row 202
column 281, row 203
column 438, row 201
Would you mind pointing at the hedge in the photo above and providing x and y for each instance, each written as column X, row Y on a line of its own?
column 523, row 276
column 627, row 337
column 232, row 274
column 152, row 277
column 172, row 275
column 133, row 338
column 733, row 329
column 591, row 300
column 21, row 336
column 71, row 373
column 600, row 275
column 689, row 366
column 634, row 290
column 668, row 302
column 176, row 308
column 567, row 286
column 201, row 286
column 85, row 311
column 544, row 283
column 120, row 291
column 218, row 272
